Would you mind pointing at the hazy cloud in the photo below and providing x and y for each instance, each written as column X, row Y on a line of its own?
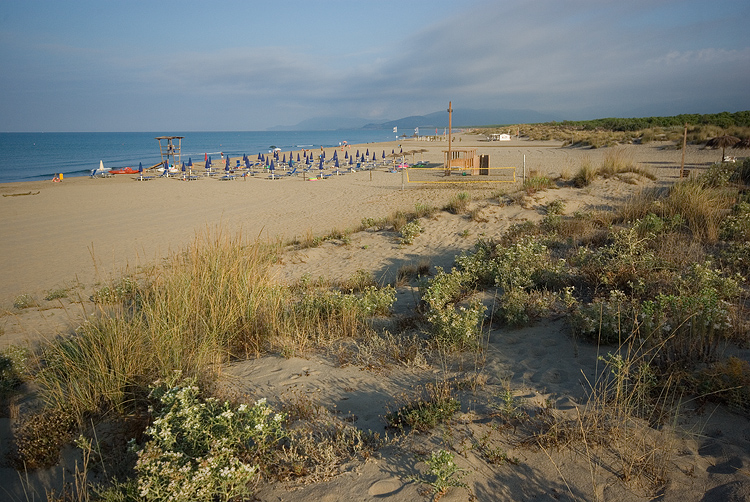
column 579, row 58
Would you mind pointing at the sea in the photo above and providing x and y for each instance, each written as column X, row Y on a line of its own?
column 39, row 156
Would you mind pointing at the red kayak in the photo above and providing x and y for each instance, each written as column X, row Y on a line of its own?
column 124, row 170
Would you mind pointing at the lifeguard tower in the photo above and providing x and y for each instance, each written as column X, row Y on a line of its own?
column 170, row 150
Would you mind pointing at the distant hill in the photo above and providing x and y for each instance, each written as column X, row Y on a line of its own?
column 461, row 118
column 465, row 118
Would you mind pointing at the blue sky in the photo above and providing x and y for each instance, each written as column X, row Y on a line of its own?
column 133, row 65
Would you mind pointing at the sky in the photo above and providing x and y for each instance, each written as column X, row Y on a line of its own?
column 228, row 65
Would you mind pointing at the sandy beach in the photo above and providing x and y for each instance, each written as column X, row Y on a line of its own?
column 84, row 231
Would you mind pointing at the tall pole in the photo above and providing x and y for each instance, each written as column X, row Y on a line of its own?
column 684, row 146
column 450, row 128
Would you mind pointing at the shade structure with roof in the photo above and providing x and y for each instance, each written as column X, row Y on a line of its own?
column 743, row 144
column 722, row 142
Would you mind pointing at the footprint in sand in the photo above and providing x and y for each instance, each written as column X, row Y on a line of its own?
column 385, row 487
column 552, row 375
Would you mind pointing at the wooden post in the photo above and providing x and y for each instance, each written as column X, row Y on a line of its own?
column 450, row 127
column 684, row 146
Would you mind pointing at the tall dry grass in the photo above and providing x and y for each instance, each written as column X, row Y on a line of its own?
column 213, row 302
column 703, row 208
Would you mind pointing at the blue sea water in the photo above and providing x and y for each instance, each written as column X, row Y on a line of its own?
column 38, row 156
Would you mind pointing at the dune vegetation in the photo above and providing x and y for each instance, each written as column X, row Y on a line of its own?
column 659, row 283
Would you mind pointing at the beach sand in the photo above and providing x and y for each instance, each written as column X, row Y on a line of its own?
column 84, row 231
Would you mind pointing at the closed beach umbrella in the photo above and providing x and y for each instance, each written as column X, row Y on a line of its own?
column 346, row 155
column 272, row 167
column 383, row 154
column 351, row 160
column 297, row 156
column 374, row 157
column 183, row 167
column 335, row 155
column 357, row 152
column 337, row 163
column 284, row 159
column 190, row 162
column 367, row 153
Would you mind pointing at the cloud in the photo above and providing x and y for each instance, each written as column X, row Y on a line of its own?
column 579, row 58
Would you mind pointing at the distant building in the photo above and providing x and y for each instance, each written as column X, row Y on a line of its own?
column 500, row 137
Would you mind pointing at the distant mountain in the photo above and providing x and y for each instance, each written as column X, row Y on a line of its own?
column 466, row 118
column 461, row 118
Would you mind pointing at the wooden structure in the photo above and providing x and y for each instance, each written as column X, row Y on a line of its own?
column 170, row 150
column 464, row 160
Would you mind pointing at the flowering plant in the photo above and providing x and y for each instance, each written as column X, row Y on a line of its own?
column 202, row 450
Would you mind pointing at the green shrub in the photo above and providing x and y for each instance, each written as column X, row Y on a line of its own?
column 56, row 294
column 736, row 227
column 410, row 231
column 718, row 175
column 434, row 404
column 13, row 367
column 726, row 381
column 625, row 261
column 200, row 449
column 444, row 473
column 519, row 307
column 40, row 438
column 122, row 290
column 555, row 207
column 607, row 321
column 23, row 302
column 457, row 328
